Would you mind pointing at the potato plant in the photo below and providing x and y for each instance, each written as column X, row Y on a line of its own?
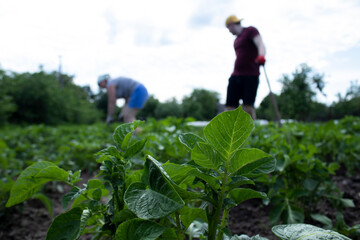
column 306, row 157
column 160, row 200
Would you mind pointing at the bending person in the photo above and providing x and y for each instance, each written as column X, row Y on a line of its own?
column 134, row 93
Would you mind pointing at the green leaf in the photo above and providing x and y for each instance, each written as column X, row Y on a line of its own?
column 138, row 229
column 245, row 237
column 283, row 163
column 85, row 216
column 178, row 173
column 111, row 151
column 205, row 156
column 228, row 131
column 186, row 195
column 77, row 201
column 67, row 226
column 275, row 212
column 96, row 194
column 238, row 181
column 310, row 184
column 262, row 166
column 135, row 148
column 149, row 204
column 333, row 167
column 189, row 140
column 104, row 158
column 305, row 232
column 96, row 189
column 346, row 202
column 212, row 181
column 133, row 176
column 323, row 219
column 169, row 234
column 243, row 157
column 75, row 177
column 239, row 195
column 32, row 178
column 294, row 215
column 73, row 194
column 123, row 215
column 188, row 215
column 159, row 199
column 95, row 183
column 126, row 140
column 45, row 200
column 123, row 134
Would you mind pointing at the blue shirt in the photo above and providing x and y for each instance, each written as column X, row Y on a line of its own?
column 124, row 86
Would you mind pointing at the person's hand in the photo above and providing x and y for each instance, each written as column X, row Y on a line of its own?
column 260, row 60
column 109, row 120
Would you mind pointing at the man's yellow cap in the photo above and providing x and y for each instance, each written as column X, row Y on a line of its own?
column 232, row 19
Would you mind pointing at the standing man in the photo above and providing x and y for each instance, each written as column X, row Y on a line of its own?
column 134, row 93
column 250, row 54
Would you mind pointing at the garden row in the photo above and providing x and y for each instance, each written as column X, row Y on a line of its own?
column 179, row 178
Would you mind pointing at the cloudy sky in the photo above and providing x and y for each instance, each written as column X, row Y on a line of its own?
column 175, row 46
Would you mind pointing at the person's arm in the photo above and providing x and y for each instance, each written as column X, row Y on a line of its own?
column 260, row 59
column 260, row 45
column 111, row 91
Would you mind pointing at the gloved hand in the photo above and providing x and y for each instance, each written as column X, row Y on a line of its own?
column 260, row 60
column 109, row 119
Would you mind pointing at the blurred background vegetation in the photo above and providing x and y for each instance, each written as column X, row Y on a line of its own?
column 53, row 98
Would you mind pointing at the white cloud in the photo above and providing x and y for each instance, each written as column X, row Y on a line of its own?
column 175, row 46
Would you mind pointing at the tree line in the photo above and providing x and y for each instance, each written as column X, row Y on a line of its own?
column 51, row 98
column 40, row 98
column 297, row 99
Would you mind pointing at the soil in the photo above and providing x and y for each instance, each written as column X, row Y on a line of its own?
column 250, row 217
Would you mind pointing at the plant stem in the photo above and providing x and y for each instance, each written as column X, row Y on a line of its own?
column 215, row 218
column 119, row 202
column 224, row 218
column 178, row 226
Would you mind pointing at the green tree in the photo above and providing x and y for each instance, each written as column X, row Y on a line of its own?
column 297, row 97
column 201, row 104
column 266, row 109
column 149, row 109
column 38, row 98
column 169, row 108
column 77, row 104
column 349, row 105
column 319, row 112
column 7, row 106
column 101, row 101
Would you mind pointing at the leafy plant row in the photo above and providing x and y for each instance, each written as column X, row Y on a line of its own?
column 70, row 147
column 163, row 200
column 308, row 155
